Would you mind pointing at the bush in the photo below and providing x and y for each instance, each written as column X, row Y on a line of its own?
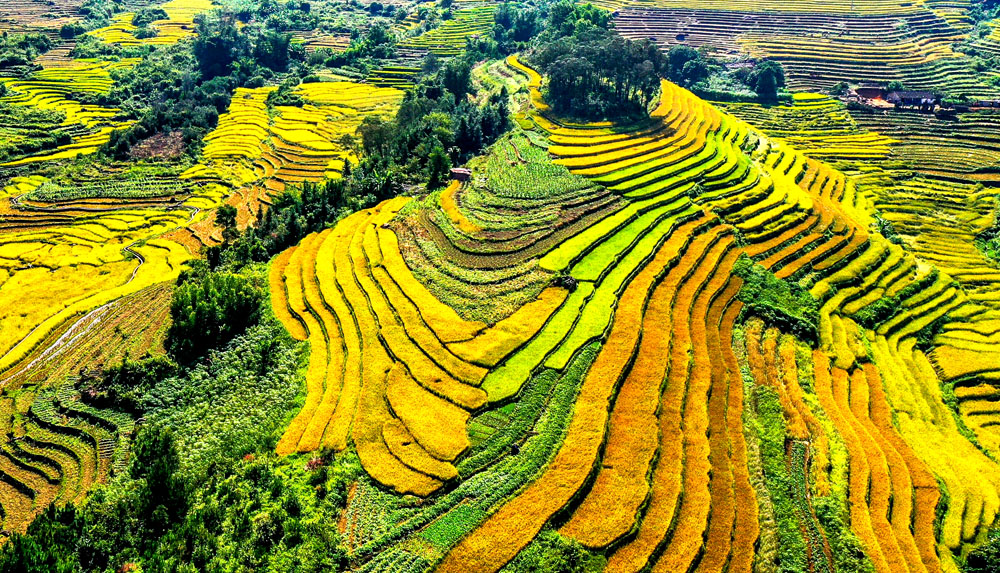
column 122, row 387
column 839, row 89
column 147, row 16
column 986, row 557
column 70, row 31
column 553, row 553
column 778, row 302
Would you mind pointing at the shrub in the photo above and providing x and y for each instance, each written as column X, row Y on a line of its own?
column 147, row 16
column 122, row 387
column 553, row 553
column 778, row 302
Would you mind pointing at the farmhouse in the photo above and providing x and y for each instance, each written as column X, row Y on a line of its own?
column 925, row 101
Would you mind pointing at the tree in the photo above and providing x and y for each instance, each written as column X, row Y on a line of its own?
column 225, row 216
column 272, row 50
column 767, row 86
column 768, row 77
column 376, row 134
column 438, row 167
column 457, row 77
column 218, row 45
column 693, row 72
column 678, row 57
column 162, row 496
column 431, row 64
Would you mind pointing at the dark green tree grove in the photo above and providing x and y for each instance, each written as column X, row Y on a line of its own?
column 209, row 309
column 599, row 74
column 767, row 77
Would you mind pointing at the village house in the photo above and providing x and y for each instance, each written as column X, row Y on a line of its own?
column 924, row 101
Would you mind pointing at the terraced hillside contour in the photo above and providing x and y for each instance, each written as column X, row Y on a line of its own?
column 86, row 263
column 178, row 25
column 906, row 181
column 820, row 44
column 627, row 377
column 52, row 89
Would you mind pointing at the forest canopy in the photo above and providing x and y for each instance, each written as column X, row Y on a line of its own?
column 597, row 74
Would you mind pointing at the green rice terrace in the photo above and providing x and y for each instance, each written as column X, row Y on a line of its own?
column 546, row 286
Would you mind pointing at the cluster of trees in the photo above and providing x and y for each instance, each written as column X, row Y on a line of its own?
column 692, row 68
column 22, row 49
column 222, row 48
column 209, row 309
column 437, row 125
column 97, row 13
column 187, row 86
column 142, row 20
column 765, row 78
column 598, row 74
column 517, row 26
column 378, row 42
column 984, row 10
column 123, row 386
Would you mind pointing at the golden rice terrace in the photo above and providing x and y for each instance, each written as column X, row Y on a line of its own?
column 330, row 287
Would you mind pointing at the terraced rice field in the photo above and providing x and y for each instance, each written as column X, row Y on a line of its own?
column 19, row 16
column 258, row 155
column 56, row 447
column 960, row 150
column 820, row 44
column 59, row 236
column 400, row 77
column 449, row 38
column 577, row 339
column 52, row 88
column 178, row 25
column 314, row 41
column 611, row 338
column 85, row 265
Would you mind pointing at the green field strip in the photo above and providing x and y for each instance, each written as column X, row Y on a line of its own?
column 576, row 247
column 507, row 379
column 599, row 259
column 599, row 311
column 538, row 424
